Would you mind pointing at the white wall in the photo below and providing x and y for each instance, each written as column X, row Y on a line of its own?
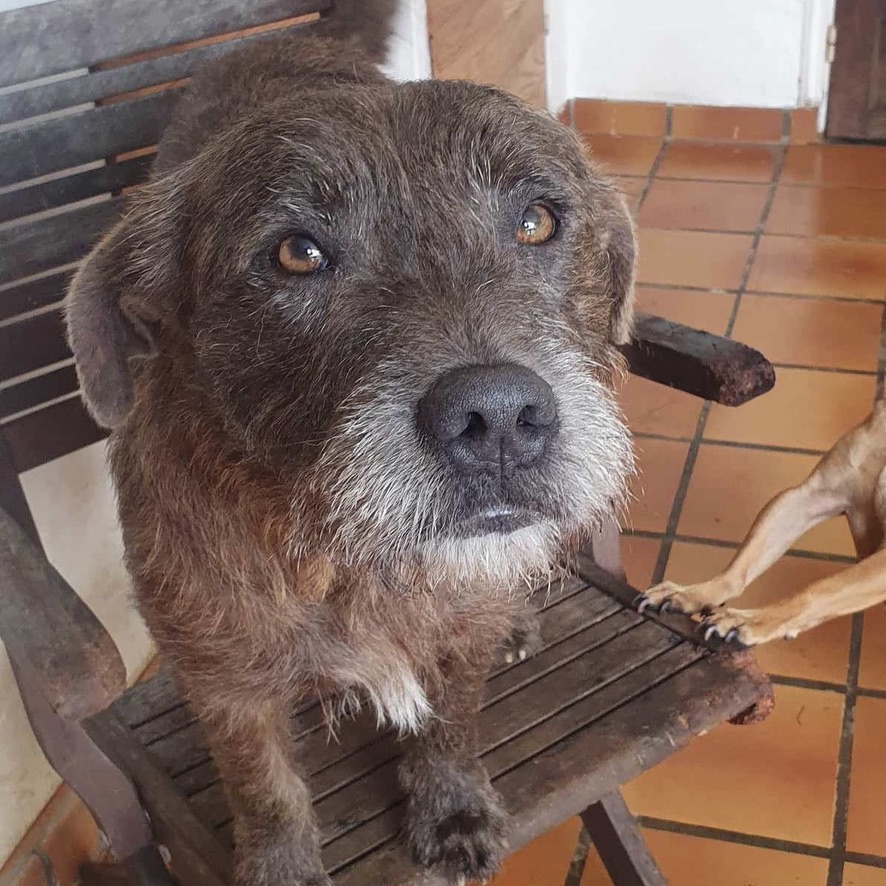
column 757, row 53
column 409, row 53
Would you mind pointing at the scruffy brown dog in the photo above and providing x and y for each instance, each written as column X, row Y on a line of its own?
column 356, row 341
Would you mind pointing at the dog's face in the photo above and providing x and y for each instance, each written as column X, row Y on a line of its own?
column 407, row 299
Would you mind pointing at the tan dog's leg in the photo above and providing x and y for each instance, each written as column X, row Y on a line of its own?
column 859, row 587
column 790, row 514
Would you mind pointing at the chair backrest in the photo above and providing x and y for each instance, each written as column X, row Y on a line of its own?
column 86, row 88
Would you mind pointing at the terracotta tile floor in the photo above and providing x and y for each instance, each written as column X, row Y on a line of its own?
column 782, row 246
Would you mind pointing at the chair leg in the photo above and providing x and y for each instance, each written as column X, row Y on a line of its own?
column 145, row 868
column 615, row 833
column 108, row 793
column 606, row 547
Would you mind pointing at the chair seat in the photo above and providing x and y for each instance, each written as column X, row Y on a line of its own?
column 611, row 694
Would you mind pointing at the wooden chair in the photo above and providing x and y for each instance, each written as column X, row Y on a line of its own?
column 611, row 694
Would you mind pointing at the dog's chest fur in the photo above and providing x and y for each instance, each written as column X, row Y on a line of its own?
column 239, row 606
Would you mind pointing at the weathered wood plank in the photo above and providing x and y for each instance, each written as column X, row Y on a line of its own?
column 49, row 629
column 355, row 842
column 99, row 84
column 49, row 433
column 29, row 247
column 631, row 738
column 149, row 699
column 79, row 138
column 697, row 362
column 564, row 620
column 32, row 343
column 197, row 856
column 82, row 185
column 30, row 296
column 585, row 676
column 182, row 751
column 361, row 750
column 37, row 390
column 390, row 865
column 596, row 633
column 64, row 36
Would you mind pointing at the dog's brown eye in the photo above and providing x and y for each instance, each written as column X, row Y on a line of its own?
column 537, row 226
column 301, row 255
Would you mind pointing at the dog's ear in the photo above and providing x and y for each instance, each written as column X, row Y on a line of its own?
column 118, row 295
column 621, row 257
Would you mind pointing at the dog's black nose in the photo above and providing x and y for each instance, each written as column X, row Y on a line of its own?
column 490, row 418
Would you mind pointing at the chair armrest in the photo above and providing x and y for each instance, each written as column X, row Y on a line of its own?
column 48, row 628
column 697, row 362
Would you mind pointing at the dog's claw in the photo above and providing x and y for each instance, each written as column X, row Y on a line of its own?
column 731, row 636
column 641, row 602
column 710, row 631
column 667, row 606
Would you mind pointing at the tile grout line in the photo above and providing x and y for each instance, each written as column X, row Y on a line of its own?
column 844, row 758
column 844, row 766
column 579, row 859
column 667, row 541
column 664, row 552
column 798, row 185
column 842, row 299
column 807, row 683
column 746, row 232
column 757, row 841
column 650, row 176
column 728, row 836
column 732, row 545
column 758, row 234
column 733, row 444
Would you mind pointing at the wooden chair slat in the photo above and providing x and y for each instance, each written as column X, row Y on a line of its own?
column 55, row 38
column 101, row 84
column 371, row 784
column 32, row 343
column 37, row 391
column 30, row 247
column 56, row 192
column 556, row 743
column 181, row 750
column 20, row 298
column 92, row 134
column 49, row 433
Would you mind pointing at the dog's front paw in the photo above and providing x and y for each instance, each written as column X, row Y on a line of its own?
column 457, row 824
column 669, row 596
column 748, row 627
column 525, row 638
column 282, row 863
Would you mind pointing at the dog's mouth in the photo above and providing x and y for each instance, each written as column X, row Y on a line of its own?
column 499, row 519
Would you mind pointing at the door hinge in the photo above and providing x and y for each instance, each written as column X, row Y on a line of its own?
column 831, row 44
